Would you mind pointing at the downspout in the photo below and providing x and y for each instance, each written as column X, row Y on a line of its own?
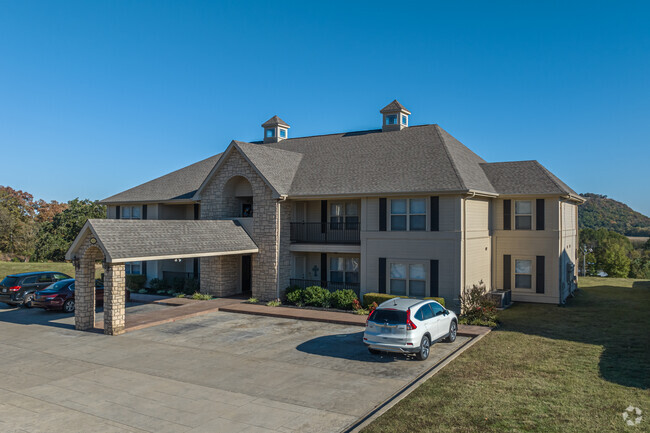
column 462, row 289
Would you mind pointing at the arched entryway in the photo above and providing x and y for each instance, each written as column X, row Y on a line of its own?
column 114, row 289
column 116, row 242
column 238, row 198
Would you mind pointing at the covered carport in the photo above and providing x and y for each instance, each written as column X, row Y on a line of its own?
column 116, row 242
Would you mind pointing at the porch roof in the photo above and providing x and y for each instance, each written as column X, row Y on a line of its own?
column 136, row 240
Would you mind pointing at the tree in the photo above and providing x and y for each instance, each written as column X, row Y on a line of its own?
column 56, row 236
column 612, row 256
column 17, row 226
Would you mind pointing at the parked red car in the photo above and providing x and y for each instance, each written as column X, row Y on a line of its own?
column 60, row 296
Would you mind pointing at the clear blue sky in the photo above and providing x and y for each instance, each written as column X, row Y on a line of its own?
column 100, row 96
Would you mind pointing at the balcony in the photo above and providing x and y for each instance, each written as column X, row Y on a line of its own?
column 329, row 285
column 326, row 233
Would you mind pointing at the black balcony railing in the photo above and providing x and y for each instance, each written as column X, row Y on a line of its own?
column 325, row 233
column 329, row 285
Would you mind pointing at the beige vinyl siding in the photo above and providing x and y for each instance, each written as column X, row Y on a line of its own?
column 478, row 243
column 526, row 245
column 568, row 245
column 413, row 246
column 370, row 214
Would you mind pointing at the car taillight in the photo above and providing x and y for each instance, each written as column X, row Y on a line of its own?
column 14, row 288
column 409, row 325
column 369, row 316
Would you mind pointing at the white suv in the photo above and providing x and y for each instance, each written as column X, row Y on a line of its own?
column 409, row 326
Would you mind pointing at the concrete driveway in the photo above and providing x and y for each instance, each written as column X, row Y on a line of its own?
column 221, row 372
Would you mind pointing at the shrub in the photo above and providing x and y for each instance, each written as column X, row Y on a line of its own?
column 296, row 297
column 274, row 303
column 180, row 295
column 477, row 308
column 369, row 298
column 156, row 284
column 343, row 299
column 253, row 300
column 143, row 291
column 177, row 284
column 201, row 296
column 190, row 285
column 135, row 282
column 317, row 296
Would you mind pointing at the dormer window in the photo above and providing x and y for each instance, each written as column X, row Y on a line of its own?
column 283, row 133
column 391, row 119
column 270, row 133
column 405, row 120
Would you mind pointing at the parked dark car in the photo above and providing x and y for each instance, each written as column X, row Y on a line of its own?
column 18, row 289
column 60, row 296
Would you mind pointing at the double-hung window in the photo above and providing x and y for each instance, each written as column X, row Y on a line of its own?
column 344, row 216
column 523, row 274
column 344, row 271
column 523, row 215
column 131, row 212
column 408, row 214
column 408, row 279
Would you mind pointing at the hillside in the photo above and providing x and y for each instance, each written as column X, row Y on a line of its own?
column 599, row 211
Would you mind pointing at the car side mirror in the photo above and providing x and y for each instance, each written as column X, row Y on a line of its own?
column 446, row 312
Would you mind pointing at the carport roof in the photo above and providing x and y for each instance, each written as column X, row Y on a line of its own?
column 136, row 240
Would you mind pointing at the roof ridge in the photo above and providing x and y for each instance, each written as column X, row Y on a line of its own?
column 451, row 160
column 548, row 174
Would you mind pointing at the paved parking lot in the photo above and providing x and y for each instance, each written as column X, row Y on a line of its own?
column 221, row 372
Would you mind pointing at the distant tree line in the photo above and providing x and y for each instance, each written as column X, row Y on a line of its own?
column 601, row 212
column 39, row 230
column 613, row 253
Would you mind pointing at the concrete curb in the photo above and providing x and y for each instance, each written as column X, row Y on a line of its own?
column 379, row 410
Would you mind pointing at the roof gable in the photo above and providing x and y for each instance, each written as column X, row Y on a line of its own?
column 132, row 240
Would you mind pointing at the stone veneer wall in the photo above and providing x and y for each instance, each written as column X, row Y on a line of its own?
column 220, row 275
column 84, row 315
column 114, row 299
column 266, row 227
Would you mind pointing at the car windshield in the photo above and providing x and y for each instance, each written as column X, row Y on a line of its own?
column 57, row 287
column 9, row 281
column 389, row 316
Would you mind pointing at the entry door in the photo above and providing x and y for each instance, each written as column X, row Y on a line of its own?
column 301, row 265
column 246, row 271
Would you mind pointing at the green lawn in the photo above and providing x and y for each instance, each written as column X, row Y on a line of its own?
column 573, row 368
column 7, row 268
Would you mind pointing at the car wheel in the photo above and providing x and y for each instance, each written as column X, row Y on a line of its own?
column 27, row 302
column 373, row 351
column 425, row 348
column 453, row 330
column 68, row 306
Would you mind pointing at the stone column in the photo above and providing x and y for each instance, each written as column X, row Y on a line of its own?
column 84, row 315
column 114, row 299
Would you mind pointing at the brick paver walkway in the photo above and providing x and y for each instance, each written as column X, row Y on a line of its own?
column 182, row 309
column 185, row 308
column 325, row 316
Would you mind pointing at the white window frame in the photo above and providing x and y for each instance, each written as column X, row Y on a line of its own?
column 408, row 214
column 345, row 271
column 532, row 272
column 130, row 209
column 404, row 119
column 408, row 264
column 344, row 223
column 524, row 214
